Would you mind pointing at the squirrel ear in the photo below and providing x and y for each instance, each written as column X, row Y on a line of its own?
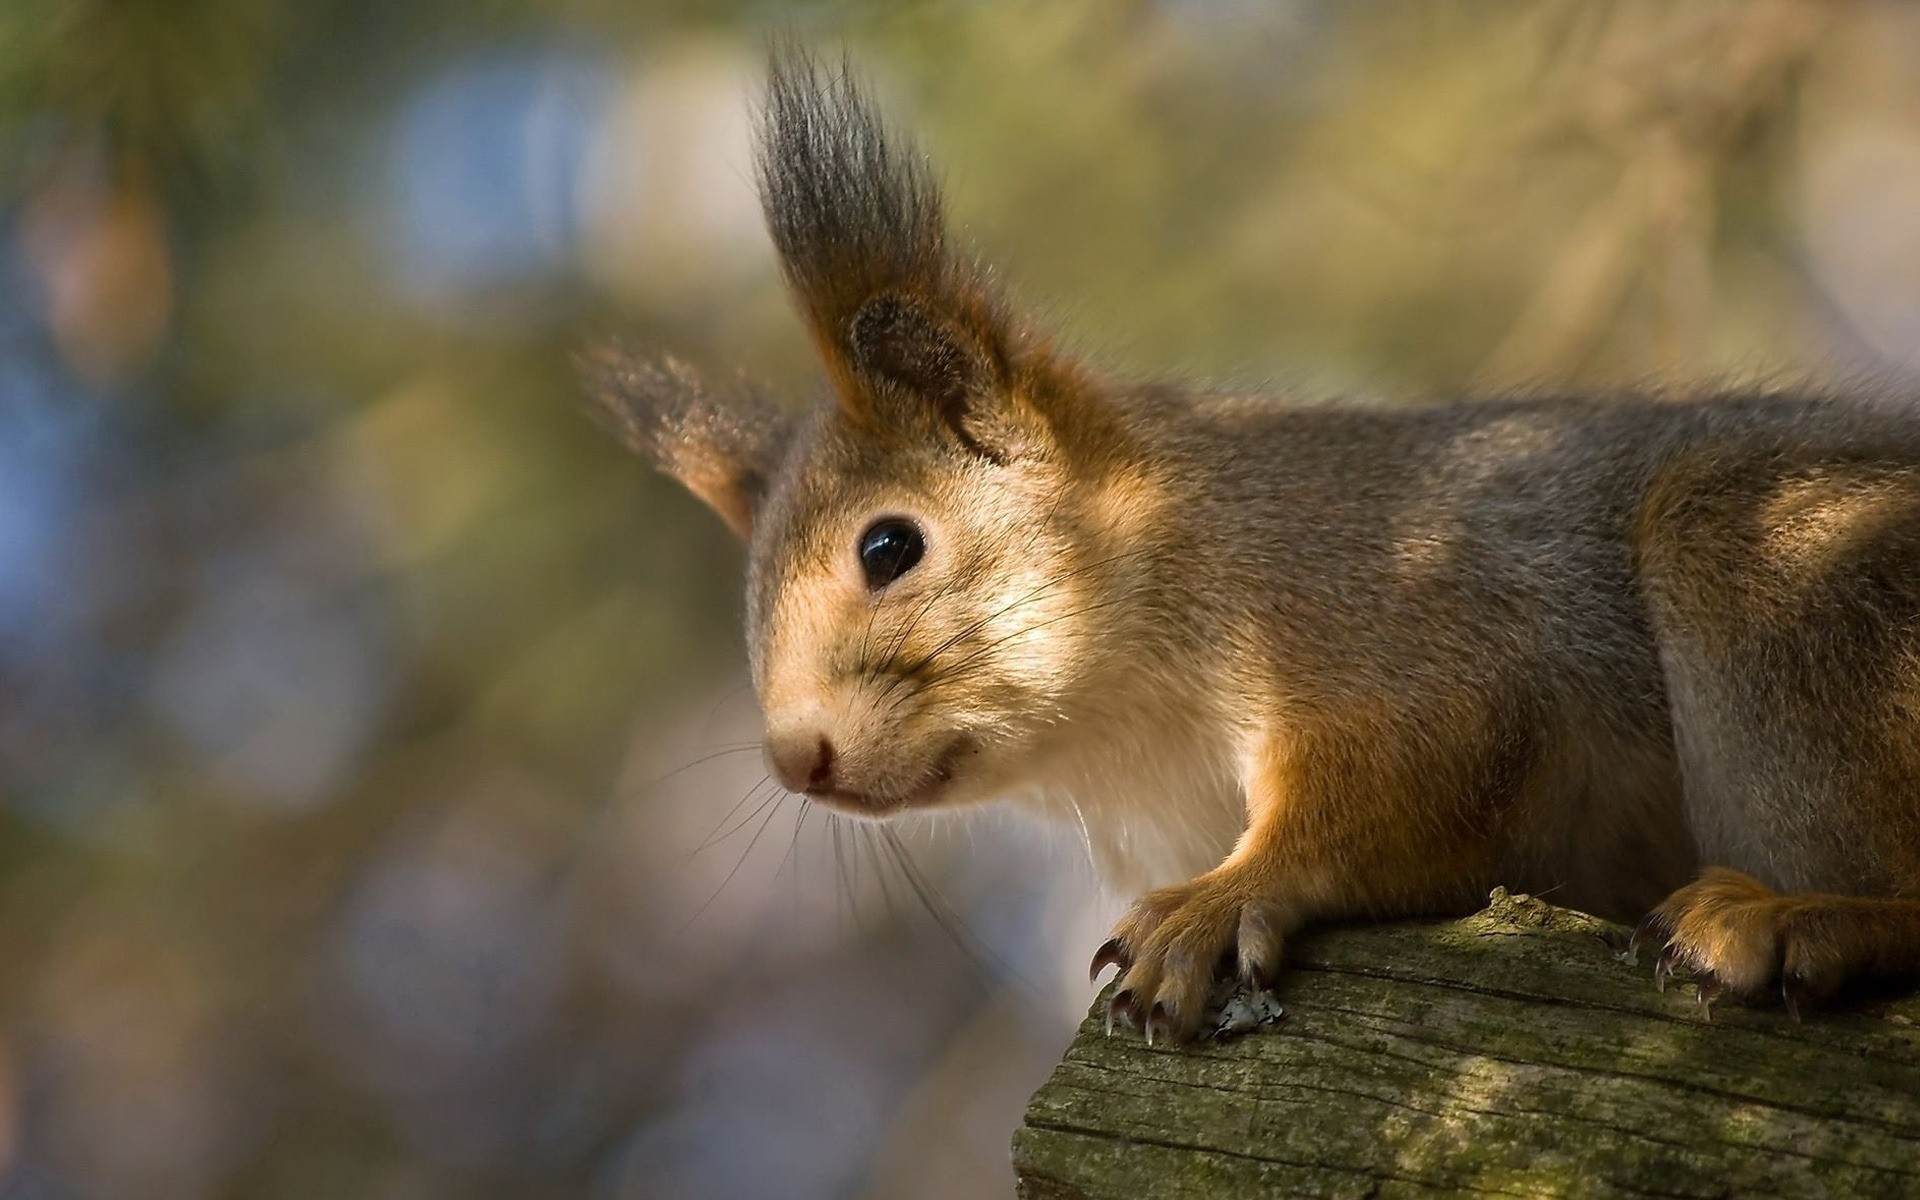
column 724, row 450
column 857, row 220
column 898, row 339
column 935, row 359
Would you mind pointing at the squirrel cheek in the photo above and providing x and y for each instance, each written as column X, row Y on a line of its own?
column 1035, row 638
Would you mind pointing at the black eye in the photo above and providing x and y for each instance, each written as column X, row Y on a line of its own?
column 889, row 549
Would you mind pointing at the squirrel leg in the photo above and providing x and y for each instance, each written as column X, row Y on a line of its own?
column 1784, row 591
column 1742, row 939
column 1175, row 942
column 1339, row 823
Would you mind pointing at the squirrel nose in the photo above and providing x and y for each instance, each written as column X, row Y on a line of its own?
column 802, row 762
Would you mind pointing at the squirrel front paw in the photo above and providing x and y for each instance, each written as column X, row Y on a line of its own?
column 1176, row 941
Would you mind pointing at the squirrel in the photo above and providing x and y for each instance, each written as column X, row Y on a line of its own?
column 1288, row 663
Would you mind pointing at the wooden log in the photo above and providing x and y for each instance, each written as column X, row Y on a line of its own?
column 1513, row 1053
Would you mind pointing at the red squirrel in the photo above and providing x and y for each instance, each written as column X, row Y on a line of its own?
column 1303, row 662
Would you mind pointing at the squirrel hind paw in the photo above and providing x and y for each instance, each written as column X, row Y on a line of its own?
column 1738, row 938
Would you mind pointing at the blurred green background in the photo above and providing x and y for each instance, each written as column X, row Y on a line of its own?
column 382, row 815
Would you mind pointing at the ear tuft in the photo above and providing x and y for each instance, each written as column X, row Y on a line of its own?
column 723, row 448
column 853, row 212
column 857, row 220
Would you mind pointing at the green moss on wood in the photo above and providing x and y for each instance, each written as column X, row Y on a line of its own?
column 1513, row 1052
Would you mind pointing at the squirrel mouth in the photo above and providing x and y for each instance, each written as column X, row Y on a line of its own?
column 920, row 795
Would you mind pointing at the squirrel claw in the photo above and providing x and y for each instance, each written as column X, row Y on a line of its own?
column 1664, row 968
column 1122, row 1006
column 1110, row 954
column 1159, row 1019
column 1706, row 989
column 1792, row 991
column 1653, row 928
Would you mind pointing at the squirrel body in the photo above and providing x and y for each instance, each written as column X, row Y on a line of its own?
column 1283, row 663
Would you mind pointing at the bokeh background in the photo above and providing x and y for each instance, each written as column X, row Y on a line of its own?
column 379, row 808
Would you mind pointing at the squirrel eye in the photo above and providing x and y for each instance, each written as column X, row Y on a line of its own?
column 889, row 549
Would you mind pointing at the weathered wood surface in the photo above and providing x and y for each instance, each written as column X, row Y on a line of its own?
column 1512, row 1053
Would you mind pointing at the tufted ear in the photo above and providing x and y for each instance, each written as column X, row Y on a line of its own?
column 722, row 447
column 857, row 220
column 905, row 340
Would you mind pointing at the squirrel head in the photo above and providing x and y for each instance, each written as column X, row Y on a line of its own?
column 930, row 545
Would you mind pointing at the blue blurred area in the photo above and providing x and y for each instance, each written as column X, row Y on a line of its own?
column 484, row 178
column 45, row 424
column 277, row 689
column 41, row 459
column 58, row 683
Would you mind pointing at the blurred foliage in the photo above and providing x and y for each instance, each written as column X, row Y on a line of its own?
column 173, row 87
column 371, row 730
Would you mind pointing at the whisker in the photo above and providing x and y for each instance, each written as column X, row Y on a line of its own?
column 779, row 794
column 593, row 822
column 641, row 791
column 898, row 643
column 890, row 692
column 793, row 846
column 716, row 837
column 867, row 840
column 866, row 634
column 1035, row 594
column 906, row 630
column 986, row 963
column 951, row 671
column 844, row 891
column 721, row 703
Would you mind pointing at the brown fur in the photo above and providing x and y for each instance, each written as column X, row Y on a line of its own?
column 1292, row 663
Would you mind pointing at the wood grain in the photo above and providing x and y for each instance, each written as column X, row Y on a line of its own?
column 1513, row 1053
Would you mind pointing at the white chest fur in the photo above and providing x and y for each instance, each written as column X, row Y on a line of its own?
column 1155, row 795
